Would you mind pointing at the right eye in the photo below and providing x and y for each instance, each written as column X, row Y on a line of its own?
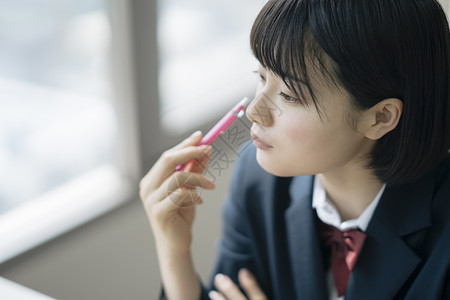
column 288, row 99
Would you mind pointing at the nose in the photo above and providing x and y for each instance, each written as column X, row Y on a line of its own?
column 260, row 110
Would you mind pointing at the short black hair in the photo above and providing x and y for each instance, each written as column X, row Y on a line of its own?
column 374, row 49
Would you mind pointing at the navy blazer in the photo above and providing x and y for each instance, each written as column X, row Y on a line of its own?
column 269, row 228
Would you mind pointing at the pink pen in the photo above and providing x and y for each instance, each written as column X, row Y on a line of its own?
column 236, row 112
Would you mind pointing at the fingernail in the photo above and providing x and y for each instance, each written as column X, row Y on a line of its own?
column 221, row 279
column 213, row 295
column 197, row 133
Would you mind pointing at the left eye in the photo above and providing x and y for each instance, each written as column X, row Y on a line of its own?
column 287, row 98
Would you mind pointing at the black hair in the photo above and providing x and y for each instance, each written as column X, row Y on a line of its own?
column 374, row 49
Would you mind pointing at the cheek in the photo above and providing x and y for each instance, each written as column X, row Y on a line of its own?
column 294, row 148
column 308, row 147
column 299, row 133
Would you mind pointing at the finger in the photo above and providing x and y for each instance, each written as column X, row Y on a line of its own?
column 199, row 164
column 174, row 157
column 166, row 164
column 191, row 140
column 179, row 180
column 183, row 197
column 213, row 295
column 227, row 287
column 166, row 211
column 187, row 180
column 250, row 285
column 168, row 155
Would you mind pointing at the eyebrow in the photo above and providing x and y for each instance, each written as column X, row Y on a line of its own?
column 297, row 80
column 301, row 81
column 287, row 76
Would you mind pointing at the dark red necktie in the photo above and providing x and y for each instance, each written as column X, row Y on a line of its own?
column 345, row 248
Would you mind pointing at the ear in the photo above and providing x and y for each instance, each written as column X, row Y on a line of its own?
column 382, row 118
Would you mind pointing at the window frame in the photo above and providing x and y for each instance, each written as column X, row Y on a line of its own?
column 102, row 189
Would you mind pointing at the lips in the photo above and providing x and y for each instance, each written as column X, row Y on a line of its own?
column 260, row 144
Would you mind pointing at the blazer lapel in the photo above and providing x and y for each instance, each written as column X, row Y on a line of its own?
column 303, row 243
column 383, row 267
column 386, row 261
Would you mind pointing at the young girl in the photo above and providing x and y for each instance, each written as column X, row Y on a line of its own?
column 345, row 192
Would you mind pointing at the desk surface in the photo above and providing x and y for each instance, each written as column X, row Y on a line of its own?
column 13, row 291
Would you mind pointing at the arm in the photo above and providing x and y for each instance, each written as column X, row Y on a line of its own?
column 178, row 276
column 164, row 194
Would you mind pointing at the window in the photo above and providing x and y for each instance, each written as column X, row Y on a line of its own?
column 205, row 59
column 58, row 125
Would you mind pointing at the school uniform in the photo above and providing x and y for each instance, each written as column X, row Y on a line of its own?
column 270, row 228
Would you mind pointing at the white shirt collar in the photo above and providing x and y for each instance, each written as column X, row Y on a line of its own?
column 328, row 213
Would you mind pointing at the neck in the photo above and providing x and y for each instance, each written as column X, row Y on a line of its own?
column 351, row 188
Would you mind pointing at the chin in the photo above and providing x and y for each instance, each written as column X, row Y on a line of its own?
column 283, row 168
column 274, row 168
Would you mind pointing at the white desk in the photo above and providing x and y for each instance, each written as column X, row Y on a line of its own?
column 13, row 291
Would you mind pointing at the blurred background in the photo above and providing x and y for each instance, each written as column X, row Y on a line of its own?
column 91, row 93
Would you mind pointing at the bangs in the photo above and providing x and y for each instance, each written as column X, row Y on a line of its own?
column 283, row 43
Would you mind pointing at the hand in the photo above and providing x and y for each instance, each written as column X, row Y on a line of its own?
column 229, row 290
column 169, row 196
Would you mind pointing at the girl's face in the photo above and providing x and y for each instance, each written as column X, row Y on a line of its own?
column 292, row 139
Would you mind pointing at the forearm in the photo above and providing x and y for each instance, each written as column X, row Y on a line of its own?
column 167, row 197
column 178, row 275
